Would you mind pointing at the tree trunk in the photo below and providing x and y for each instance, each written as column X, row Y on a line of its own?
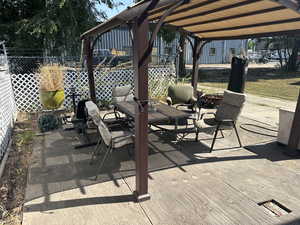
column 292, row 62
column 182, row 71
column 280, row 58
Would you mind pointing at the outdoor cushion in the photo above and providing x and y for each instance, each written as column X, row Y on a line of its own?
column 231, row 106
column 105, row 133
column 121, row 138
column 121, row 93
column 204, row 126
column 93, row 111
column 121, row 90
column 210, row 125
column 234, row 98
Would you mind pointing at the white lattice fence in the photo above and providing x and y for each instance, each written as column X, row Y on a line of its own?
column 26, row 86
column 7, row 111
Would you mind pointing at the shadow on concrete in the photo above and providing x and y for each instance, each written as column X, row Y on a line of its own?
column 271, row 151
column 77, row 202
column 58, row 167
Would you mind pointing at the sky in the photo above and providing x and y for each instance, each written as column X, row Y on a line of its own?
column 112, row 12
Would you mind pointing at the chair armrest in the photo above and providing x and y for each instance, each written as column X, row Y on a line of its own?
column 226, row 120
column 124, row 136
column 179, row 105
column 193, row 100
column 207, row 113
column 169, row 101
column 117, row 115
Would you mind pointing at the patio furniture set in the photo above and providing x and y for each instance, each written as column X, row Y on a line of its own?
column 116, row 128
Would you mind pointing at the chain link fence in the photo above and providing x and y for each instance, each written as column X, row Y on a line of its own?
column 31, row 64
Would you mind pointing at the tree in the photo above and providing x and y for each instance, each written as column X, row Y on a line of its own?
column 287, row 48
column 182, row 45
column 53, row 25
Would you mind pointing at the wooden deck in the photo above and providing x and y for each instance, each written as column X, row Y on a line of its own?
column 187, row 184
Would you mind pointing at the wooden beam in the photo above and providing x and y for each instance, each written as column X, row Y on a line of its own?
column 223, row 8
column 201, row 4
column 295, row 132
column 89, row 63
column 275, row 22
column 256, row 35
column 127, row 15
column 140, row 62
column 253, row 13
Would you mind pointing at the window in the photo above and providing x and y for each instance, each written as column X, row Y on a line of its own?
column 232, row 51
column 212, row 51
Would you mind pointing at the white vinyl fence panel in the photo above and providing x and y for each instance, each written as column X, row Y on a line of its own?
column 26, row 86
column 7, row 110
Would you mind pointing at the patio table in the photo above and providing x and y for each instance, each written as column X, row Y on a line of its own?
column 163, row 112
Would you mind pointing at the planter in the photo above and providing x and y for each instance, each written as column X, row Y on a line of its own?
column 285, row 124
column 52, row 99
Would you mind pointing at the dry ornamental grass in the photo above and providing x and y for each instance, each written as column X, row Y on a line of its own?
column 51, row 77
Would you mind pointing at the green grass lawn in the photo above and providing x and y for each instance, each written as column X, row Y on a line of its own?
column 268, row 84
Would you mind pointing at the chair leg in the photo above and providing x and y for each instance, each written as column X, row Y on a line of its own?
column 108, row 151
column 197, row 134
column 215, row 137
column 129, row 151
column 222, row 133
column 237, row 135
column 96, row 150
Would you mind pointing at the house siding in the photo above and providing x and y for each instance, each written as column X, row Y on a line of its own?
column 121, row 40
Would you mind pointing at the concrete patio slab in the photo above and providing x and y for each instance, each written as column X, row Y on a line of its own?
column 103, row 203
column 188, row 185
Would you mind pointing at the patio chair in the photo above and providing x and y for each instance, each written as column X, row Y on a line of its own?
column 225, row 117
column 181, row 96
column 108, row 141
column 122, row 93
column 94, row 113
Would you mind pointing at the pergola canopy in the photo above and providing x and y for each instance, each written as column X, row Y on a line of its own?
column 204, row 20
column 216, row 19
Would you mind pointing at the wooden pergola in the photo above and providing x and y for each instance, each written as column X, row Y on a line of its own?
column 201, row 20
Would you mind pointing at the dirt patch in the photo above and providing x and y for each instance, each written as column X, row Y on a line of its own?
column 14, row 179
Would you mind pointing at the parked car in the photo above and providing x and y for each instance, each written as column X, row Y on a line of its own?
column 275, row 56
column 105, row 58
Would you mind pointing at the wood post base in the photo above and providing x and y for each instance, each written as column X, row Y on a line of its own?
column 141, row 198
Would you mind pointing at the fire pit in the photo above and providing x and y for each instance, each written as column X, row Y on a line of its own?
column 209, row 100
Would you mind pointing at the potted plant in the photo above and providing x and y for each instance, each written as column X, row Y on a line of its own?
column 51, row 86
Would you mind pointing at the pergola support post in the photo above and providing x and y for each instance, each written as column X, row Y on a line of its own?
column 197, row 49
column 295, row 132
column 140, row 61
column 89, row 64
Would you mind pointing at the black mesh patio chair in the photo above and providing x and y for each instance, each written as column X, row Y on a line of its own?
column 225, row 117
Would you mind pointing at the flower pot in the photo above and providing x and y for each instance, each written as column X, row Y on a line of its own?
column 52, row 99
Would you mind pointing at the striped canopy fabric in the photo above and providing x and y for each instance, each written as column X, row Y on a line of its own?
column 216, row 19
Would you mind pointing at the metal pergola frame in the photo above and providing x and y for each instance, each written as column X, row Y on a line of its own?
column 138, row 19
